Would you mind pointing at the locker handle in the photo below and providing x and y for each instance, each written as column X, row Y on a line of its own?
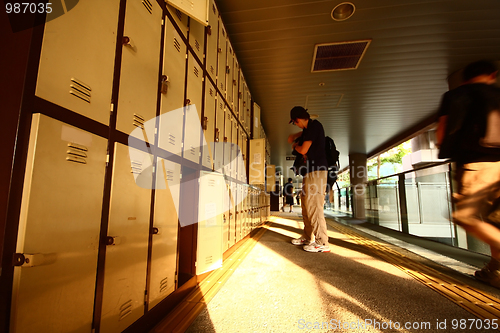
column 156, row 231
column 209, row 30
column 187, row 101
column 205, row 123
column 127, row 41
column 35, row 259
column 217, row 135
column 164, row 84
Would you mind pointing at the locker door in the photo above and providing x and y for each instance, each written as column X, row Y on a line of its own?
column 197, row 38
column 139, row 68
column 227, row 142
column 180, row 19
column 209, row 250
column 128, row 231
column 164, row 252
column 54, row 289
column 236, row 77
column 172, row 98
column 192, row 121
column 222, row 60
column 212, row 40
column 241, row 109
column 229, row 76
column 209, row 125
column 219, row 137
column 239, row 215
column 225, row 227
column 232, row 215
column 77, row 60
column 234, row 149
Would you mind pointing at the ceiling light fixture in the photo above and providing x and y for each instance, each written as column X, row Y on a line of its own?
column 343, row 11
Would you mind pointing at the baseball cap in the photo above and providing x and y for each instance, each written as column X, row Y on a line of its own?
column 298, row 112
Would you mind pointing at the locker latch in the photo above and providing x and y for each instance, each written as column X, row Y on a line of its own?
column 127, row 41
column 187, row 101
column 205, row 123
column 111, row 240
column 217, row 135
column 209, row 30
column 164, row 84
column 33, row 259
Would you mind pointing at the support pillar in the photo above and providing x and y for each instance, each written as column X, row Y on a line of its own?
column 357, row 165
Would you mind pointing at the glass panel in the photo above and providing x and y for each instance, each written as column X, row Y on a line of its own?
column 388, row 204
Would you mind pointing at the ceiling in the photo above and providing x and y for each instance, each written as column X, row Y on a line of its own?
column 415, row 45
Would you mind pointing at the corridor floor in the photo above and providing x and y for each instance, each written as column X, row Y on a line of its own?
column 280, row 287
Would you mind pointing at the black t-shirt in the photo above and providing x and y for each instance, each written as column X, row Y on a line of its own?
column 468, row 108
column 316, row 158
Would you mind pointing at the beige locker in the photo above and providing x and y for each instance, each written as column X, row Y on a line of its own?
column 236, row 86
column 257, row 161
column 209, row 249
column 228, row 126
column 192, row 117
column 241, row 108
column 165, row 225
column 127, row 239
column 172, row 96
column 195, row 9
column 225, row 217
column 212, row 40
column 239, row 215
column 219, row 137
column 139, row 68
column 235, row 156
column 222, row 60
column 77, row 59
column 256, row 131
column 53, row 290
column 229, row 76
column 209, row 125
column 197, row 38
column 180, row 19
column 232, row 213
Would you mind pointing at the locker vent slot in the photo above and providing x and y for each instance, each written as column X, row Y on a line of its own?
column 171, row 139
column 212, row 70
column 80, row 90
column 177, row 45
column 211, row 183
column 222, row 86
column 197, row 45
column 136, row 167
column 125, row 309
column 138, row 120
column 338, row 56
column 170, row 175
column 148, row 5
column 208, row 159
column 193, row 150
column 211, row 91
column 76, row 153
column 196, row 71
column 163, row 284
column 209, row 259
column 179, row 14
column 220, row 106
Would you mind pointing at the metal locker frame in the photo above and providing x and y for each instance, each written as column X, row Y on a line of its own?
column 210, row 245
column 77, row 59
column 212, row 41
column 139, row 68
column 172, row 97
column 192, row 116
column 180, row 19
column 222, row 59
column 209, row 125
column 58, row 229
column 127, row 240
column 165, row 225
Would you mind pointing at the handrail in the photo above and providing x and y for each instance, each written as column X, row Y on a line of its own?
column 435, row 164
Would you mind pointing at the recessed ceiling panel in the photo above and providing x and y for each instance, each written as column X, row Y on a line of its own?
column 338, row 56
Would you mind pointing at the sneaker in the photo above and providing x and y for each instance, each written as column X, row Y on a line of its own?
column 489, row 275
column 314, row 247
column 300, row 241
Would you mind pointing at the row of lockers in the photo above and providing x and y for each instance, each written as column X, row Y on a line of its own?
column 60, row 225
column 77, row 74
column 163, row 99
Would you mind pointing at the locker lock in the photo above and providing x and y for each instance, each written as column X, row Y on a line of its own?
column 155, row 231
column 225, row 139
column 217, row 132
column 127, row 41
column 209, row 30
column 110, row 240
column 228, row 69
column 164, row 84
column 187, row 101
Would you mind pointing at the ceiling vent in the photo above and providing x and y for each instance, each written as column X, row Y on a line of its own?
column 338, row 56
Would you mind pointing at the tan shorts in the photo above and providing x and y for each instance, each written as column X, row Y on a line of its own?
column 478, row 193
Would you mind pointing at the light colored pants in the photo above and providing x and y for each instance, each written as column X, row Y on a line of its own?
column 312, row 200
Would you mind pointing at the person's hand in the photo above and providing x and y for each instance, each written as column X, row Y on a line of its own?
column 291, row 138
